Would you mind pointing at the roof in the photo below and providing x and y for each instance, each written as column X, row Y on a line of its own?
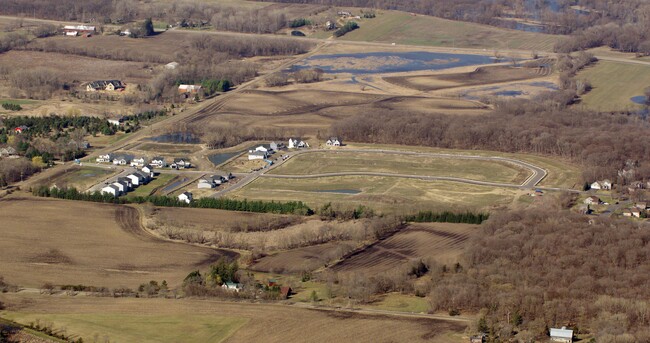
column 561, row 333
column 258, row 153
column 187, row 194
column 189, row 87
column 103, row 83
column 79, row 27
column 180, row 159
column 158, row 158
column 136, row 174
column 123, row 178
column 111, row 186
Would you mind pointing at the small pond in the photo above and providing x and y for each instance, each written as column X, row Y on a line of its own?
column 177, row 137
column 339, row 191
column 175, row 184
column 639, row 99
column 509, row 93
column 390, row 62
column 220, row 158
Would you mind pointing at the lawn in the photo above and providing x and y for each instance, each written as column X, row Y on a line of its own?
column 383, row 194
column 402, row 303
column 81, row 178
column 614, row 84
column 404, row 28
column 341, row 161
column 138, row 328
column 145, row 190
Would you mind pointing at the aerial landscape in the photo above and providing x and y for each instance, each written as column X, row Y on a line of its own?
column 324, row 170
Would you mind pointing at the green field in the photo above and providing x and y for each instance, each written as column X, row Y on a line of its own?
column 81, row 178
column 614, row 84
column 403, row 28
column 340, row 161
column 402, row 303
column 98, row 327
column 145, row 190
column 383, row 194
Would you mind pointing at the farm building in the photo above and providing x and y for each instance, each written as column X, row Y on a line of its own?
column 191, row 89
column 171, row 65
column 561, row 335
column 333, row 141
column 257, row 155
column 107, row 158
column 605, row 184
column 105, row 85
column 7, row 151
column 111, row 189
column 592, row 200
column 158, row 162
column 295, row 143
column 185, row 197
column 232, row 286
column 285, row 292
column 75, row 30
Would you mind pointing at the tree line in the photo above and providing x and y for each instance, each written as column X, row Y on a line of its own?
column 447, row 217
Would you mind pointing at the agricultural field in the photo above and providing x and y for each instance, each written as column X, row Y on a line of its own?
column 342, row 161
column 303, row 259
column 74, row 242
column 404, row 28
column 441, row 242
column 613, row 85
column 383, row 194
column 164, row 320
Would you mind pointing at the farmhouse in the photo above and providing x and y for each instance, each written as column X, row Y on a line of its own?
column 257, row 155
column 111, row 189
column 185, row 197
column 190, row 89
column 295, row 143
column 21, row 129
column 75, row 30
column 138, row 162
column 7, row 151
column 158, row 162
column 107, row 158
column 605, row 184
column 592, row 200
column 232, row 286
column 561, row 335
column 333, row 141
column 108, row 85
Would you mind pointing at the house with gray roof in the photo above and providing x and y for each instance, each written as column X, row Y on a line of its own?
column 561, row 335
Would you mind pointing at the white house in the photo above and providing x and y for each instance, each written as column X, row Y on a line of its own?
column 122, row 161
column 263, row 148
column 561, row 335
column 115, row 122
column 104, row 158
column 122, row 187
column 605, row 184
column 148, row 169
column 185, row 197
column 158, row 162
column 138, row 162
column 180, row 163
column 257, row 155
column 333, row 141
column 592, row 200
column 111, row 189
column 126, row 181
column 295, row 143
column 136, row 179
column 232, row 286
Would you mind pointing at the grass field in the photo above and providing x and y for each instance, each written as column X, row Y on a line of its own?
column 384, row 194
column 250, row 322
column 341, row 161
column 402, row 303
column 74, row 242
column 145, row 190
column 81, row 178
column 613, row 85
column 403, row 28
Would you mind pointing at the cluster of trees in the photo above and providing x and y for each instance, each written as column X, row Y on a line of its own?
column 220, row 135
column 45, row 126
column 299, row 22
column 12, row 40
column 301, row 76
column 631, row 37
column 531, row 270
column 349, row 26
column 11, row 106
column 248, row 20
column 36, row 83
column 448, row 217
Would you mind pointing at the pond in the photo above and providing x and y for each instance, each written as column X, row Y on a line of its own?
column 390, row 62
column 639, row 99
column 175, row 184
column 221, row 158
column 176, row 137
column 339, row 191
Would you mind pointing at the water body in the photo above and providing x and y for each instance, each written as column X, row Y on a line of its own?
column 390, row 62
column 509, row 93
column 639, row 99
column 339, row 191
column 174, row 184
column 176, row 137
column 220, row 158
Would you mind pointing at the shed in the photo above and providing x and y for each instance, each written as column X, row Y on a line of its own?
column 561, row 335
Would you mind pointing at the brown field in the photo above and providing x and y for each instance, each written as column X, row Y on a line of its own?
column 480, row 76
column 233, row 322
column 442, row 242
column 79, row 68
column 303, row 259
column 73, row 242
